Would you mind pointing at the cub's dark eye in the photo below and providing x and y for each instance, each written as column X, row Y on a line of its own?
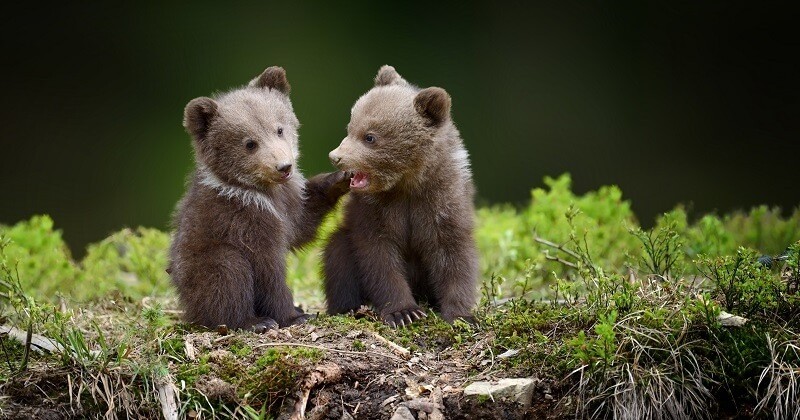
column 369, row 138
column 280, row 131
column 250, row 145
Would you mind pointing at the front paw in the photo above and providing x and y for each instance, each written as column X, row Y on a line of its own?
column 339, row 184
column 402, row 317
column 264, row 325
column 467, row 317
column 302, row 318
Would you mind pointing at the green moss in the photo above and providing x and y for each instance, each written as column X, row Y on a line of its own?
column 11, row 355
column 358, row 345
column 188, row 372
column 239, row 348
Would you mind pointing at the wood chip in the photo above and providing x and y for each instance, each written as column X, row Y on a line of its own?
column 167, row 394
column 188, row 348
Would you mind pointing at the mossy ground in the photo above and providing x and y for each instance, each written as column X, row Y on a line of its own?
column 612, row 320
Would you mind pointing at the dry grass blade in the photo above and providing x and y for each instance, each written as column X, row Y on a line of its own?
column 779, row 383
column 652, row 377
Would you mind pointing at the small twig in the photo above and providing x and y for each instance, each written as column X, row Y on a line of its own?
column 400, row 350
column 352, row 353
column 556, row 246
column 559, row 260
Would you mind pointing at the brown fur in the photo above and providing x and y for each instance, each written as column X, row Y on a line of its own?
column 408, row 234
column 241, row 214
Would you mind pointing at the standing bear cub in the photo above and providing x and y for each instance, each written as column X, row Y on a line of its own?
column 407, row 232
column 247, row 204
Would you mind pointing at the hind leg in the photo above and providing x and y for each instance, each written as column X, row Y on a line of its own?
column 273, row 296
column 217, row 288
column 342, row 284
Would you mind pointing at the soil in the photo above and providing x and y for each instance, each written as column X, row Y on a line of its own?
column 370, row 383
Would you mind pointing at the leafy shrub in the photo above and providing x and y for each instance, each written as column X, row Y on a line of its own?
column 600, row 219
column 129, row 260
column 743, row 284
column 39, row 254
column 133, row 261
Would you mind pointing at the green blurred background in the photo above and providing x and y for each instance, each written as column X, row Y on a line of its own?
column 674, row 102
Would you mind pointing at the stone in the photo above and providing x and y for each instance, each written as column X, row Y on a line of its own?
column 729, row 320
column 403, row 413
column 513, row 389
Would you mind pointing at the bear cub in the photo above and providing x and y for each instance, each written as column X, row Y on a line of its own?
column 407, row 233
column 246, row 205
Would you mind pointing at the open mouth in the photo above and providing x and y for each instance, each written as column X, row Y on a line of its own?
column 360, row 180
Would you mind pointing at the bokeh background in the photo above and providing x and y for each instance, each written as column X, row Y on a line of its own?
column 675, row 102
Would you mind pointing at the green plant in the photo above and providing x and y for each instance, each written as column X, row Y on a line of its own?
column 662, row 247
column 745, row 286
column 131, row 260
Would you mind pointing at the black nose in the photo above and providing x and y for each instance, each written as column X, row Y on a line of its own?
column 285, row 168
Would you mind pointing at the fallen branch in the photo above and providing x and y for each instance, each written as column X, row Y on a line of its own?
column 322, row 374
column 37, row 342
column 166, row 396
column 400, row 350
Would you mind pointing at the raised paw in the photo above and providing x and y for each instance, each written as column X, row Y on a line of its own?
column 403, row 317
column 340, row 183
column 264, row 325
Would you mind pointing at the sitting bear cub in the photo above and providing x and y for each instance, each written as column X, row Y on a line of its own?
column 407, row 232
column 247, row 204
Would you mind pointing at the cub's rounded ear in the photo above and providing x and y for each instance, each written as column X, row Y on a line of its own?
column 387, row 75
column 198, row 115
column 272, row 78
column 433, row 104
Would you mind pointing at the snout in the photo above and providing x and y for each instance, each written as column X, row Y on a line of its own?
column 284, row 169
column 335, row 157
